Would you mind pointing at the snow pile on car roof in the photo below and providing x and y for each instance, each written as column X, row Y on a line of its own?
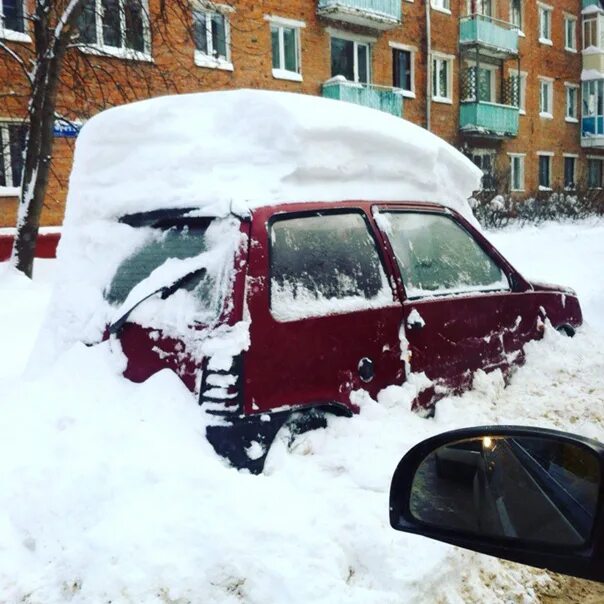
column 250, row 148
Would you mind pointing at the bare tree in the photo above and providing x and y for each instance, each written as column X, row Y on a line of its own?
column 70, row 71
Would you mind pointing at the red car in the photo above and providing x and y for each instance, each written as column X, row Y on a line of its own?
column 323, row 299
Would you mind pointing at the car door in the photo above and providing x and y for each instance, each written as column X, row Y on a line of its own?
column 324, row 316
column 457, row 308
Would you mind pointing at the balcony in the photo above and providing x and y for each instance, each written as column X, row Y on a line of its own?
column 592, row 132
column 381, row 98
column 488, row 119
column 376, row 14
column 496, row 38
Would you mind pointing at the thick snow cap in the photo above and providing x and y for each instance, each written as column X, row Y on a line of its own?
column 223, row 150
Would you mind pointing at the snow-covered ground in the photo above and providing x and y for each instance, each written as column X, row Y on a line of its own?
column 109, row 492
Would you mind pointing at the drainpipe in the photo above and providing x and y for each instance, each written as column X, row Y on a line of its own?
column 428, row 67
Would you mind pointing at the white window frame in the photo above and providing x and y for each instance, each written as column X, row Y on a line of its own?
column 121, row 52
column 598, row 158
column 10, row 34
column 568, row 86
column 597, row 19
column 357, row 40
column 443, row 6
column 281, row 24
column 570, row 45
column 212, row 61
column 413, row 51
column 549, row 155
column 5, row 157
column 438, row 57
column 522, row 91
column 481, row 152
column 511, row 12
column 544, row 81
column 492, row 69
column 545, row 16
column 518, row 156
column 575, row 156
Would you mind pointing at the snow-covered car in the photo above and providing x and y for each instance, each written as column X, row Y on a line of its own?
column 219, row 236
column 530, row 495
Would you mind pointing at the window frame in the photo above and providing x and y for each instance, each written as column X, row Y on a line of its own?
column 280, row 24
column 549, row 82
column 567, row 92
column 356, row 41
column 522, row 172
column 522, row 79
column 15, row 35
column 395, row 47
column 545, row 15
column 600, row 161
column 6, row 157
column 443, row 6
column 212, row 61
column 596, row 21
column 490, row 175
column 574, row 157
column 497, row 260
column 518, row 26
column 442, row 59
column 99, row 48
column 568, row 19
column 322, row 213
column 549, row 155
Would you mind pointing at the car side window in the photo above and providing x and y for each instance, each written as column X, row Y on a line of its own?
column 325, row 264
column 436, row 256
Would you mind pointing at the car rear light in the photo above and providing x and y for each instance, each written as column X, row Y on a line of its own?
column 221, row 392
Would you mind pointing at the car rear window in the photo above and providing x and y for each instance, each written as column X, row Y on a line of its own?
column 324, row 265
column 436, row 256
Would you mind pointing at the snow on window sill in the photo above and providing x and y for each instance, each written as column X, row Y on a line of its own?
column 284, row 74
column 546, row 41
column 442, row 99
column 522, row 111
column 546, row 115
column 521, row 34
column 542, row 188
column 14, row 36
column 128, row 54
column 571, row 120
column 441, row 9
column 567, row 49
column 517, row 190
column 203, row 60
column 408, row 94
column 10, row 191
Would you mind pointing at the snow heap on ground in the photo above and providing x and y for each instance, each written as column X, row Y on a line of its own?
column 249, row 148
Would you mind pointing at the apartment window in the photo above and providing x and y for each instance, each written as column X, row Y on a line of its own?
column 403, row 70
column 546, row 97
column 485, row 160
column 444, row 5
column 594, row 173
column 518, row 89
column 212, row 39
column 570, row 33
column 572, row 102
column 12, row 144
column 545, row 171
column 350, row 58
column 516, row 13
column 545, row 24
column 590, row 33
column 442, row 73
column 570, row 165
column 11, row 16
column 592, row 122
column 480, row 7
column 116, row 25
column 481, row 84
column 517, row 172
column 285, row 40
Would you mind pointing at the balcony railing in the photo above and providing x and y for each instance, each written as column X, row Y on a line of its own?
column 377, row 14
column 499, row 36
column 592, row 131
column 367, row 95
column 489, row 119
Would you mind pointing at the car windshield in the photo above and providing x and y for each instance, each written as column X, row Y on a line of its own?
column 177, row 239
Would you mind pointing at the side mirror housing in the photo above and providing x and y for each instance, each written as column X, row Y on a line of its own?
column 529, row 495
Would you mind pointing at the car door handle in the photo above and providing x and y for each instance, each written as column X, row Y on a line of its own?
column 414, row 321
column 414, row 325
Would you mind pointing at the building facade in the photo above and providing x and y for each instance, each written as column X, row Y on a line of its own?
column 517, row 85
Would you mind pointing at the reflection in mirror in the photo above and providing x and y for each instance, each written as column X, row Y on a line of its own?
column 540, row 489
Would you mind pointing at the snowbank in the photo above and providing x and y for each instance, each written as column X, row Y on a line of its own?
column 251, row 148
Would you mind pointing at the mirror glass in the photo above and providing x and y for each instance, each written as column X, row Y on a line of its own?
column 540, row 489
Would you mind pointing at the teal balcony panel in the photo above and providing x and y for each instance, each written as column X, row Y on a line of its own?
column 487, row 32
column 490, row 119
column 381, row 98
column 377, row 14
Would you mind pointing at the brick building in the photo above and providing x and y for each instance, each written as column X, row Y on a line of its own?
column 499, row 79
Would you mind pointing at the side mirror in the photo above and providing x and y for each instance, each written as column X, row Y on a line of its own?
column 528, row 495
